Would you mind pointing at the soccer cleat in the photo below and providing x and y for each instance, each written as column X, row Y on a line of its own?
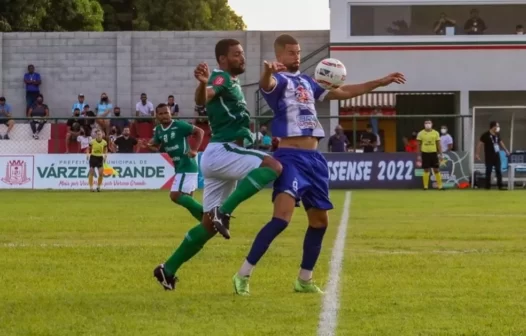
column 98, row 189
column 168, row 282
column 92, row 190
column 221, row 222
column 302, row 286
column 241, row 285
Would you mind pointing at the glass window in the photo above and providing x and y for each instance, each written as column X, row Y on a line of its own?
column 437, row 20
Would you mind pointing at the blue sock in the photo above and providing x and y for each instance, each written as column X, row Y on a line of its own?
column 265, row 236
column 312, row 247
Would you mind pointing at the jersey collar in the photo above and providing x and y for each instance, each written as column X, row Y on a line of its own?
column 167, row 128
column 297, row 73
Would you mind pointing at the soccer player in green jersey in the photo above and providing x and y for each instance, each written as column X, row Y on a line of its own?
column 225, row 161
column 173, row 136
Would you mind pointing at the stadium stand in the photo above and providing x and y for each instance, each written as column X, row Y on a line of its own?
column 21, row 142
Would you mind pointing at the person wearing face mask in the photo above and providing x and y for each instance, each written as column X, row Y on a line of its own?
column 430, row 153
column 118, row 125
column 265, row 140
column 74, row 127
column 103, row 111
column 338, row 142
column 39, row 113
column 446, row 140
column 125, row 143
column 519, row 30
column 492, row 144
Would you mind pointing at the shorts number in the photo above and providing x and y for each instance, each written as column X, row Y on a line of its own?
column 395, row 170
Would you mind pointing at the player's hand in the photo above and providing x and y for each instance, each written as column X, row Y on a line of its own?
column 202, row 73
column 507, row 152
column 477, row 157
column 192, row 154
column 273, row 67
column 105, row 157
column 396, row 78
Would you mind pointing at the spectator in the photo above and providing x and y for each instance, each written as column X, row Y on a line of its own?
column 200, row 111
column 89, row 122
column 446, row 140
column 475, row 25
column 519, row 30
column 443, row 23
column 144, row 111
column 368, row 140
column 74, row 127
column 125, row 143
column 103, row 110
column 411, row 144
column 338, row 142
column 174, row 108
column 492, row 144
column 39, row 113
column 84, row 139
column 118, row 125
column 5, row 115
column 79, row 104
column 32, row 80
column 264, row 139
column 85, row 110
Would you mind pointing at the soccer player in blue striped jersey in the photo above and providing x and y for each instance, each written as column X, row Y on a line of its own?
column 305, row 175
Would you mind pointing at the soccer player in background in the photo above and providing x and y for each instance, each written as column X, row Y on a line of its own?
column 430, row 153
column 224, row 160
column 173, row 136
column 96, row 155
column 305, row 175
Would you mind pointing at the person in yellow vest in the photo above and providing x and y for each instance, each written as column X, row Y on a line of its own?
column 430, row 153
column 97, row 152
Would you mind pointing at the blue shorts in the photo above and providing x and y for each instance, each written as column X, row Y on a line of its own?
column 305, row 177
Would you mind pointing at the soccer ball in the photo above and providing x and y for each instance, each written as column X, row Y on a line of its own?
column 330, row 73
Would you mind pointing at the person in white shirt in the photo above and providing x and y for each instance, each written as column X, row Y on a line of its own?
column 446, row 140
column 144, row 111
column 84, row 141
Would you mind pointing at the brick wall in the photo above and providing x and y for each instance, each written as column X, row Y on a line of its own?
column 125, row 64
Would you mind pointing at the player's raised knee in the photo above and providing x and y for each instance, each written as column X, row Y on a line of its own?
column 273, row 164
column 174, row 196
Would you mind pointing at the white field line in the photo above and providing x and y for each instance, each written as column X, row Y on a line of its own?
column 331, row 300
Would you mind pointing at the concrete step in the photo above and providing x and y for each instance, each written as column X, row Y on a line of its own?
column 13, row 147
column 21, row 132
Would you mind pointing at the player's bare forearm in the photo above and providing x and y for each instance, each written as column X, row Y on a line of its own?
column 353, row 90
column 418, row 147
column 199, row 135
column 502, row 145
column 201, row 94
column 439, row 148
column 267, row 81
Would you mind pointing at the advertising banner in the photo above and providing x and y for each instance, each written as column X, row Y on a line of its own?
column 455, row 170
column 16, row 172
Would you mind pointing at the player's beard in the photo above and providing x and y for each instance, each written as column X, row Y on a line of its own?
column 293, row 68
column 236, row 71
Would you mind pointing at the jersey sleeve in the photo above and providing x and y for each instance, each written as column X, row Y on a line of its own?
column 91, row 142
column 317, row 90
column 273, row 96
column 419, row 137
column 218, row 82
column 185, row 128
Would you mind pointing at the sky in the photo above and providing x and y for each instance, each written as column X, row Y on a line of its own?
column 276, row 14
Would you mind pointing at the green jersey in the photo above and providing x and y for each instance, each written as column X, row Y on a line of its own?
column 227, row 112
column 174, row 139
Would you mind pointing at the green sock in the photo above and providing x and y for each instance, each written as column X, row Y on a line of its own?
column 195, row 208
column 248, row 187
column 193, row 242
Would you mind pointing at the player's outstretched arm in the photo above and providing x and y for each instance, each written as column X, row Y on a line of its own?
column 268, row 82
column 354, row 90
column 203, row 93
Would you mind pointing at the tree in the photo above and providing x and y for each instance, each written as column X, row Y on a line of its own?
column 50, row 15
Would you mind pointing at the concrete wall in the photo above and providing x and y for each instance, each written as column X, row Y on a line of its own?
column 125, row 64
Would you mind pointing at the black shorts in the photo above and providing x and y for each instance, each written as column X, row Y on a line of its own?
column 430, row 160
column 4, row 121
column 96, row 161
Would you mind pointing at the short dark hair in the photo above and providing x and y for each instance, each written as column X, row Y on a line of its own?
column 116, row 108
column 427, row 119
column 76, row 108
column 143, row 94
column 161, row 105
column 283, row 40
column 171, row 96
column 2, row 99
column 40, row 96
column 86, row 106
column 492, row 124
column 519, row 27
column 223, row 46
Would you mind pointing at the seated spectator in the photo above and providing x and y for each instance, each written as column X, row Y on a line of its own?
column 89, row 121
column 125, row 143
column 264, row 139
column 443, row 23
column 32, row 80
column 38, row 113
column 85, row 110
column 74, row 127
column 118, row 125
column 83, row 139
column 5, row 117
column 200, row 111
column 144, row 112
column 103, row 111
column 79, row 104
column 411, row 144
column 475, row 25
column 519, row 30
column 174, row 108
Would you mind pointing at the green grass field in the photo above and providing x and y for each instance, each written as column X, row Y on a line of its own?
column 415, row 263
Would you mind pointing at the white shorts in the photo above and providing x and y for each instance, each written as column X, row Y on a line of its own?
column 185, row 183
column 222, row 165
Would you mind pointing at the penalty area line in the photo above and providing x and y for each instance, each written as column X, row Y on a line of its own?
column 331, row 300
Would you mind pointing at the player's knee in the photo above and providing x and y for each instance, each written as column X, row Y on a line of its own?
column 273, row 164
column 284, row 205
column 174, row 196
column 318, row 219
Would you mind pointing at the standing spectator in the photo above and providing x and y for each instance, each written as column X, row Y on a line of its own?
column 103, row 110
column 443, row 23
column 174, row 107
column 519, row 30
column 125, row 143
column 144, row 111
column 338, row 142
column 368, row 140
column 74, row 127
column 475, row 25
column 411, row 144
column 446, row 140
column 492, row 144
column 5, row 115
column 38, row 113
column 118, row 125
column 264, row 139
column 80, row 104
column 32, row 80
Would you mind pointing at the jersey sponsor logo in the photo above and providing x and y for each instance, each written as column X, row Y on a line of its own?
column 307, row 121
column 218, row 81
column 303, row 95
